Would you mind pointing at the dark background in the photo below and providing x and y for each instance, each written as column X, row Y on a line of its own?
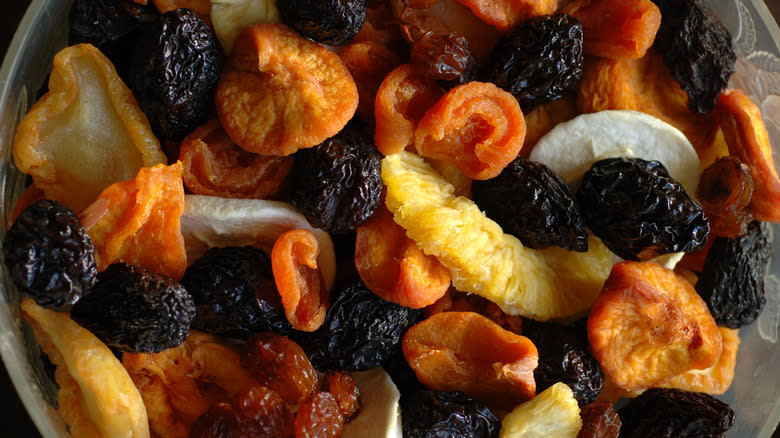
column 13, row 416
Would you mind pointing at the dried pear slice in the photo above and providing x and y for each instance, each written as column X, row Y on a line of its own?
column 554, row 412
column 380, row 413
column 231, row 16
column 97, row 398
column 86, row 133
column 482, row 259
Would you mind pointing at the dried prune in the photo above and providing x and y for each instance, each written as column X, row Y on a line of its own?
column 361, row 331
column 234, row 292
column 429, row 414
column 696, row 47
column 639, row 211
column 732, row 280
column 135, row 310
column 325, row 21
column 444, row 58
column 539, row 61
column 49, row 255
column 531, row 202
column 599, row 420
column 176, row 64
column 319, row 417
column 662, row 413
column 337, row 185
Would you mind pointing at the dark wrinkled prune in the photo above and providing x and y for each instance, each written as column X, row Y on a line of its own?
column 235, row 293
column 639, row 211
column 135, row 310
column 531, row 202
column 326, row 21
column 539, row 61
column 732, row 279
column 564, row 356
column 444, row 58
column 437, row 414
column 174, row 73
column 337, row 184
column 599, row 420
column 361, row 331
column 49, row 255
column 674, row 413
column 696, row 47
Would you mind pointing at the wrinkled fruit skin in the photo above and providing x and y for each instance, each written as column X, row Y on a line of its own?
column 639, row 211
column 697, row 49
column 337, row 184
column 732, row 280
column 136, row 311
column 674, row 413
column 539, row 61
column 49, row 255
column 599, row 420
column 532, row 203
column 325, row 21
column 445, row 59
column 438, row 414
column 176, row 64
column 235, row 293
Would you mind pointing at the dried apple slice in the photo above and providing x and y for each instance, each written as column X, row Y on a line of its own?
column 649, row 324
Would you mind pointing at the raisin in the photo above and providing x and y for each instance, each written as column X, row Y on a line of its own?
column 444, row 58
column 136, row 311
column 696, row 47
column 49, row 255
column 337, row 185
column 319, row 417
column 639, row 211
column 599, row 420
column 662, row 413
column 732, row 280
column 344, row 388
column 539, row 61
column 531, row 202
column 262, row 413
column 234, row 291
column 443, row 414
column 174, row 73
column 219, row 421
column 325, row 21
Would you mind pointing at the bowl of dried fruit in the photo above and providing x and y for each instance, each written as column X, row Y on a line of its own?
column 392, row 218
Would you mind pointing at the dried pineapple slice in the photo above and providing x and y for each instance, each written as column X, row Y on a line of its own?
column 551, row 283
column 97, row 398
column 554, row 412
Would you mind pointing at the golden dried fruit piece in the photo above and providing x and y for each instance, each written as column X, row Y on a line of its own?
column 96, row 398
column 231, row 16
column 649, row 325
column 86, row 133
column 715, row 379
column 554, row 412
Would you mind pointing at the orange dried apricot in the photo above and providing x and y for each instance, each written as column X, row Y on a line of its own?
column 454, row 301
column 506, row 14
column 280, row 92
column 477, row 126
column 465, row 351
column 649, row 324
column 544, row 118
column 304, row 295
column 214, row 165
column 369, row 62
column 139, row 222
column 200, row 7
column 715, row 379
column 28, row 197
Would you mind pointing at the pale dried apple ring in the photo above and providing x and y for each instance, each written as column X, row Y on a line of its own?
column 97, row 398
column 86, row 133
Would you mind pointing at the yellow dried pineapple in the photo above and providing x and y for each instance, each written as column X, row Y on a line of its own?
column 539, row 284
column 552, row 413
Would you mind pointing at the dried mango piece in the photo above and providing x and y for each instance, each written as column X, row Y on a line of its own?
column 369, row 62
column 86, row 133
column 138, row 222
column 715, row 379
column 506, row 14
column 96, row 398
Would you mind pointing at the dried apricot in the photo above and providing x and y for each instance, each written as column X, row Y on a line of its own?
column 725, row 190
column 544, row 118
column 369, row 62
column 506, row 14
column 28, row 197
column 200, row 7
column 649, row 324
column 281, row 92
column 715, row 379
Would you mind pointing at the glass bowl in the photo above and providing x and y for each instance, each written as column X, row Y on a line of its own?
column 755, row 393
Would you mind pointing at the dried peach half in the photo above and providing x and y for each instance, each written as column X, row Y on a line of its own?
column 649, row 324
column 506, row 14
column 715, row 379
column 369, row 62
column 86, row 133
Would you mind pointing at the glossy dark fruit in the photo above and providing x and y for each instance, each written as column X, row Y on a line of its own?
column 437, row 414
column 639, row 211
column 599, row 420
column 564, row 356
column 444, row 58
column 539, row 61
column 136, row 311
column 361, row 331
column 235, row 293
column 696, row 47
column 176, row 64
column 674, row 413
column 402, row 374
column 337, row 184
column 732, row 279
column 332, row 22
column 219, row 421
column 532, row 203
column 49, row 255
